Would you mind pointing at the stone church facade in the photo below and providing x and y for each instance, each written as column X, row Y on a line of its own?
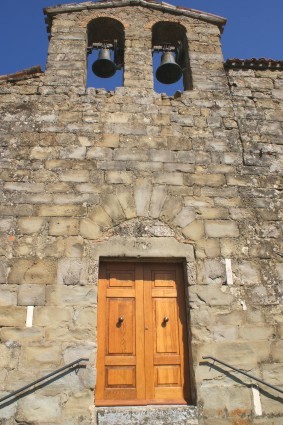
column 165, row 209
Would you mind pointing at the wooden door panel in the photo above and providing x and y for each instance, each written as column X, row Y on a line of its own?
column 120, row 377
column 121, row 279
column 164, row 279
column 167, row 375
column 120, row 360
column 121, row 326
column 167, row 338
column 164, row 293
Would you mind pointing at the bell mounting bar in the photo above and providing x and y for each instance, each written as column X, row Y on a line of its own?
column 104, row 45
column 166, row 47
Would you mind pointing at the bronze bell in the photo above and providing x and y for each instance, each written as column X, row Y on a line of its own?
column 169, row 71
column 104, row 67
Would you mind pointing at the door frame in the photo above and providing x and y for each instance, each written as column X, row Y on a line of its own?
column 188, row 269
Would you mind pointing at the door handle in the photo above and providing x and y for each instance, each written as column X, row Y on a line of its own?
column 120, row 321
column 165, row 321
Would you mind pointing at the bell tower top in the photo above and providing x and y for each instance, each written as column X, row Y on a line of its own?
column 127, row 34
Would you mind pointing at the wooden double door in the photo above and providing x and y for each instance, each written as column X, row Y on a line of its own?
column 142, row 335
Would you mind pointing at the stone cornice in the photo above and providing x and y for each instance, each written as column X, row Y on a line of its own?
column 152, row 4
column 253, row 63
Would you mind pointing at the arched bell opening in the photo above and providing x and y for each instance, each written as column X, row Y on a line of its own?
column 170, row 58
column 106, row 41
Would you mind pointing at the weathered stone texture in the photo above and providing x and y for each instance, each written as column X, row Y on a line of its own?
column 88, row 173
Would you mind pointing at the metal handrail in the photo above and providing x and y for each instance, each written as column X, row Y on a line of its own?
column 244, row 373
column 49, row 375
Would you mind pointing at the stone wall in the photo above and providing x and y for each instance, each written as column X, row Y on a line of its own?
column 91, row 173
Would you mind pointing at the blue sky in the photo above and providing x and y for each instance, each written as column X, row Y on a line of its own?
column 254, row 29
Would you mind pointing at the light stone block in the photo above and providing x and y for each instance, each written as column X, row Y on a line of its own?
column 30, row 225
column 31, row 271
column 39, row 408
column 127, row 202
column 12, row 316
column 221, row 229
column 63, row 226
column 142, row 194
column 72, row 271
column 31, row 295
column 61, row 210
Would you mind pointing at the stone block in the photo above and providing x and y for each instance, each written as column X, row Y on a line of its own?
column 88, row 188
column 109, row 140
column 89, row 229
column 85, row 317
column 76, row 351
column 207, row 248
column 38, row 408
column 12, row 316
column 61, row 210
column 175, row 179
column 73, row 198
column 119, row 177
column 3, row 269
column 257, row 333
column 127, row 202
column 6, row 225
column 277, row 351
column 77, row 176
column 142, row 195
column 113, row 208
column 74, row 247
column 213, row 213
column 31, row 294
column 161, row 155
column 24, row 187
column 32, row 271
column 73, row 152
column 63, row 226
column 273, row 373
column 231, row 317
column 46, row 316
column 130, row 155
column 186, row 216
column 99, row 216
column 213, row 271
column 75, row 295
column 171, row 207
column 72, row 271
column 8, row 295
column 22, row 335
column 248, row 273
column 213, row 295
column 8, row 413
column 219, row 401
column 158, row 196
column 213, row 180
column 194, row 231
column 30, row 225
column 221, row 229
column 100, row 153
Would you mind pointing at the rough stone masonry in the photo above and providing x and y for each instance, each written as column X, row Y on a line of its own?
column 88, row 173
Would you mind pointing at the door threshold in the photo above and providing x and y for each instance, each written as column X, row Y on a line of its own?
column 150, row 415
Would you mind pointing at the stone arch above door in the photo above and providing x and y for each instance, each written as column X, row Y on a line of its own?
column 150, row 205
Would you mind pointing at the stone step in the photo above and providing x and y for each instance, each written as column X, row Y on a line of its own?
column 147, row 415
